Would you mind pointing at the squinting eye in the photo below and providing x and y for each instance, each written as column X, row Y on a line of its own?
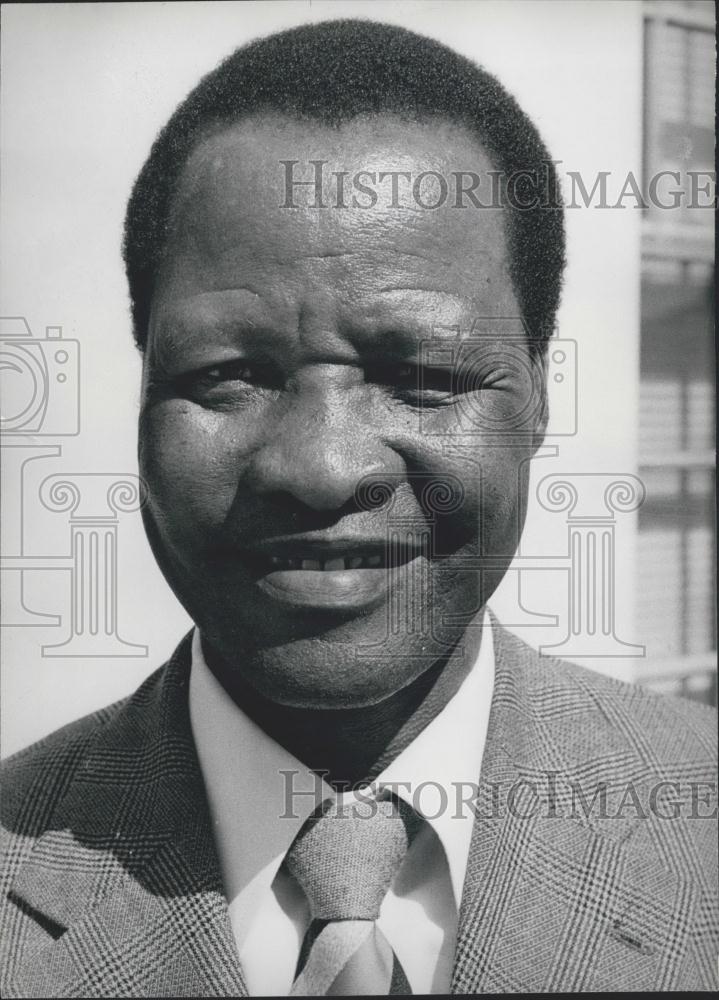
column 232, row 371
column 404, row 373
column 413, row 380
column 229, row 383
column 229, row 372
column 424, row 380
column 437, row 380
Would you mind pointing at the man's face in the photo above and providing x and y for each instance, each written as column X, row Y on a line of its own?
column 322, row 478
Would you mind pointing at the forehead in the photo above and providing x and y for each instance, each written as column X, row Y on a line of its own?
column 233, row 225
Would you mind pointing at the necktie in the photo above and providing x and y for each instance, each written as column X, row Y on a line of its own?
column 345, row 858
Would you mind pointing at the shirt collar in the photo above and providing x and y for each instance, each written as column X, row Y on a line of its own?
column 259, row 794
column 438, row 772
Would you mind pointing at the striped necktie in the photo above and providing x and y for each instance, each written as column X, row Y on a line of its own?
column 345, row 858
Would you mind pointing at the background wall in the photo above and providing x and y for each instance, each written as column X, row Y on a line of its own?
column 84, row 90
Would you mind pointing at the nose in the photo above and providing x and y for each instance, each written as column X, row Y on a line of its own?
column 322, row 444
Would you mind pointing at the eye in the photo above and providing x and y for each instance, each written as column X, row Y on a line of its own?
column 439, row 380
column 237, row 371
column 399, row 376
column 228, row 380
column 414, row 383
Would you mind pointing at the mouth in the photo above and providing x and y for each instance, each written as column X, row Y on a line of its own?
column 341, row 575
column 330, row 564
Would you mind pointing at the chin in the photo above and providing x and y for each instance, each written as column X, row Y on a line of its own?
column 329, row 672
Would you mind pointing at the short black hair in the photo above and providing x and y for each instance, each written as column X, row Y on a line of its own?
column 331, row 73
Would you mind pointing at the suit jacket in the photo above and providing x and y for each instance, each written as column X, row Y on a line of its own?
column 111, row 885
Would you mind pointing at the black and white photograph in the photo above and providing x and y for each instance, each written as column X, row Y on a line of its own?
column 357, row 439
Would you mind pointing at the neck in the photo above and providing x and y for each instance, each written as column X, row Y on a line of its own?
column 351, row 746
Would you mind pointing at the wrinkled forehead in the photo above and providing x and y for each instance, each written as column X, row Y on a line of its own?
column 271, row 180
column 287, row 225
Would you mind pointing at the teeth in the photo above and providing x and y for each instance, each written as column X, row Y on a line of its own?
column 338, row 564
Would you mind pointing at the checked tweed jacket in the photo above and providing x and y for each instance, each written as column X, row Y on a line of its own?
column 111, row 884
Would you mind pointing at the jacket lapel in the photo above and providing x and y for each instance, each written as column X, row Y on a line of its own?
column 555, row 900
column 127, row 879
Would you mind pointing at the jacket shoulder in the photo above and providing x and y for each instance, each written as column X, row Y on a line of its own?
column 35, row 779
column 50, row 763
column 598, row 711
column 673, row 727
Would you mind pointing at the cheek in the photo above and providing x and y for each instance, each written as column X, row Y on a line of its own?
column 493, row 485
column 503, row 499
column 190, row 468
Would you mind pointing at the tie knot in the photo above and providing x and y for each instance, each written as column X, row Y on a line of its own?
column 347, row 854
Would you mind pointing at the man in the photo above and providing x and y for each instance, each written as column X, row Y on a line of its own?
column 348, row 778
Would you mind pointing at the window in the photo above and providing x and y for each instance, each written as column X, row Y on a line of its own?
column 677, row 531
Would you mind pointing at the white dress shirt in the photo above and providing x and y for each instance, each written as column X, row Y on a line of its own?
column 260, row 795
